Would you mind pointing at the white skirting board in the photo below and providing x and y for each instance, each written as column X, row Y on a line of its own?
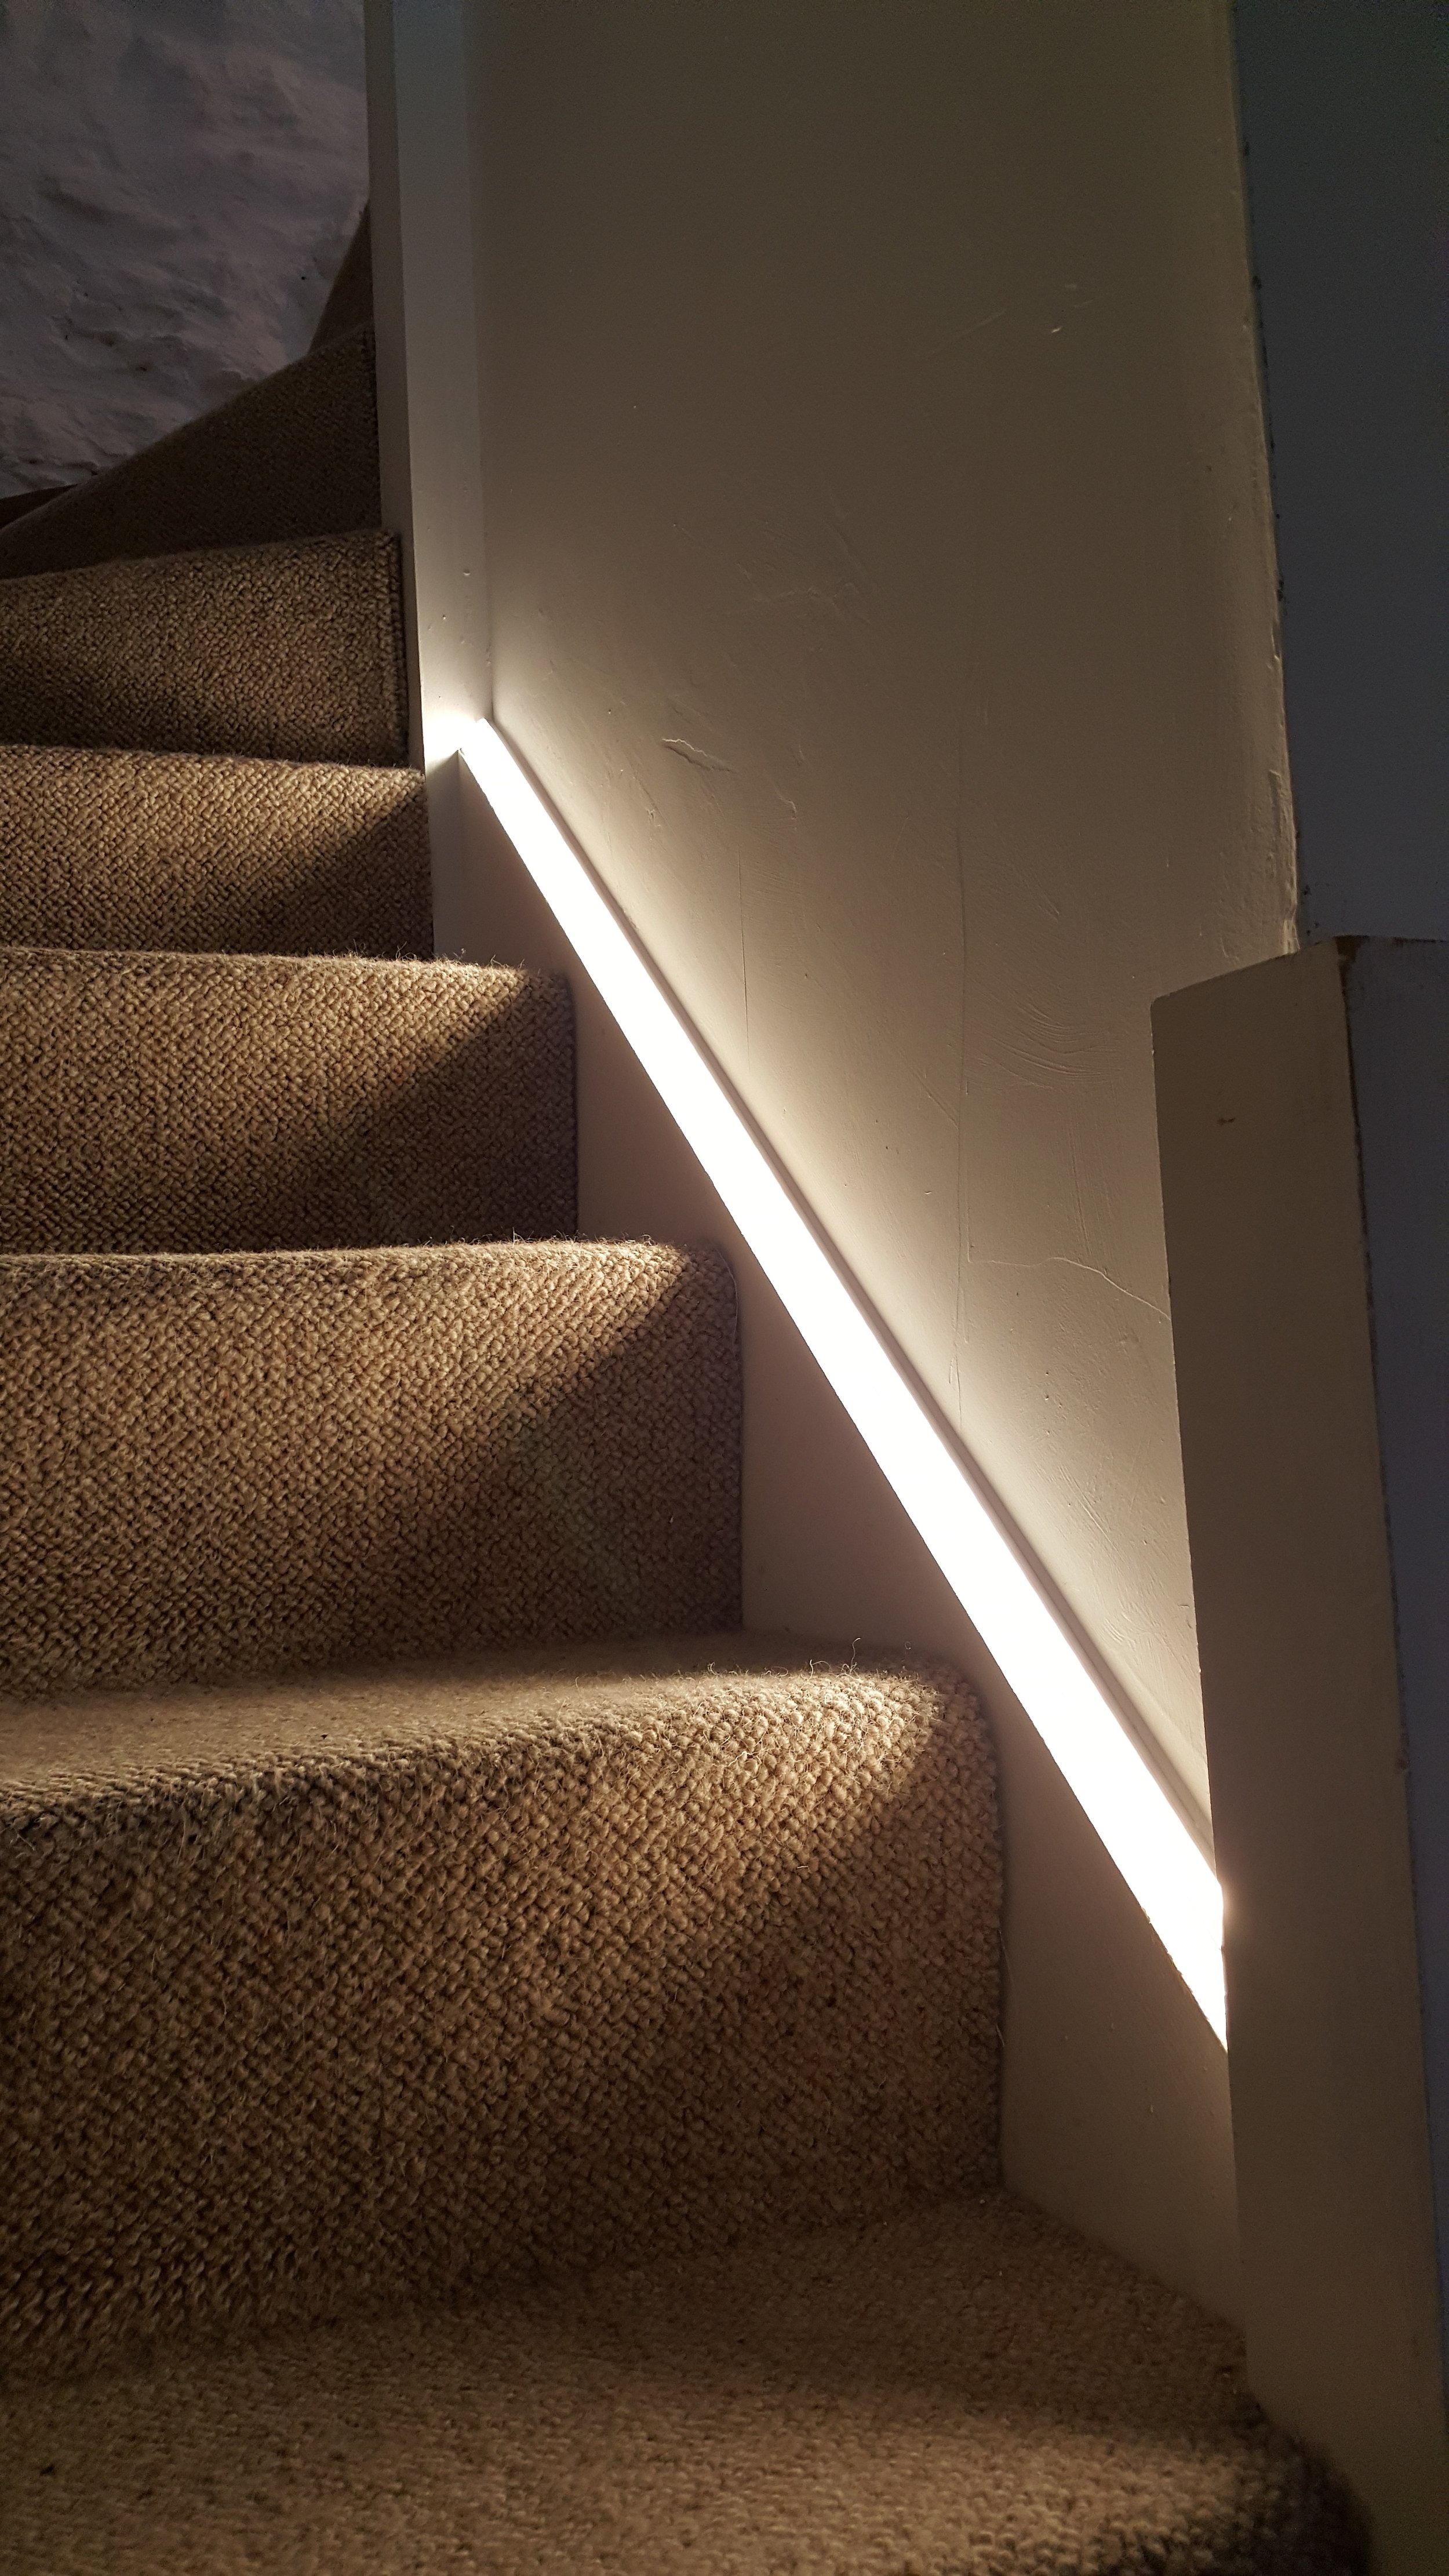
column 1116, row 2111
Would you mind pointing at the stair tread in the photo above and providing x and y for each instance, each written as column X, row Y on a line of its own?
column 965, row 2385
column 279, row 651
column 208, row 850
column 83, row 1744
column 293, row 456
column 182, row 1102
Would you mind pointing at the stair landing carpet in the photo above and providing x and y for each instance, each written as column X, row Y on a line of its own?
column 293, row 457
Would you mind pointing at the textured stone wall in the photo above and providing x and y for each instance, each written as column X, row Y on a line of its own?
column 178, row 181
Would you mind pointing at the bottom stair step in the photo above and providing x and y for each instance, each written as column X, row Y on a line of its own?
column 967, row 2390
column 354, row 1989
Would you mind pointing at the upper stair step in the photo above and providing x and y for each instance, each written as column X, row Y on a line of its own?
column 290, row 652
column 350, row 1990
column 295, row 456
column 216, row 1104
column 963, row 2387
column 221, row 1464
column 142, row 849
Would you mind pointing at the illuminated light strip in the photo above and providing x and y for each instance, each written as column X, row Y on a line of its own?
column 1130, row 1810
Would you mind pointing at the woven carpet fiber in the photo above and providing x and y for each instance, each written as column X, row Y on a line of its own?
column 961, row 2390
column 293, row 457
column 289, row 652
column 214, row 1104
column 352, row 1990
column 136, row 849
column 217, row 1465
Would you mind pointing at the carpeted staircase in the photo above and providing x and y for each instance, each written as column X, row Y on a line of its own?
column 500, row 2065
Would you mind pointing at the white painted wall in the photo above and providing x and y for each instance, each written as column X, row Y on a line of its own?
column 882, row 587
column 178, row 182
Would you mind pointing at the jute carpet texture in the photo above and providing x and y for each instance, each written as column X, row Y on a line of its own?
column 462, row 1971
column 959, row 2390
column 230, row 1464
column 219, row 1104
column 290, row 652
column 293, row 457
column 499, row 2068
column 139, row 849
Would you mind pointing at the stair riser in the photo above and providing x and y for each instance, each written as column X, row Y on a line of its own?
column 288, row 652
column 120, row 849
column 220, row 1467
column 360, row 2029
column 159, row 1103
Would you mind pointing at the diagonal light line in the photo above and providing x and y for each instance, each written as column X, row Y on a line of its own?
column 1015, row 1619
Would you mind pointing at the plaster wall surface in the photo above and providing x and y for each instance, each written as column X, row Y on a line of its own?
column 882, row 587
column 178, row 182
column 1305, row 1138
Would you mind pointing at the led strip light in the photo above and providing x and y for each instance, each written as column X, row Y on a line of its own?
column 1132, row 1813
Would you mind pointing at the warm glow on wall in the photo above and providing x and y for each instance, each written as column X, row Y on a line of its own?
column 1130, row 1810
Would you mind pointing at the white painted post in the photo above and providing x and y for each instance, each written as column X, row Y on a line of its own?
column 427, row 389
column 1305, row 1149
column 1304, row 1125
